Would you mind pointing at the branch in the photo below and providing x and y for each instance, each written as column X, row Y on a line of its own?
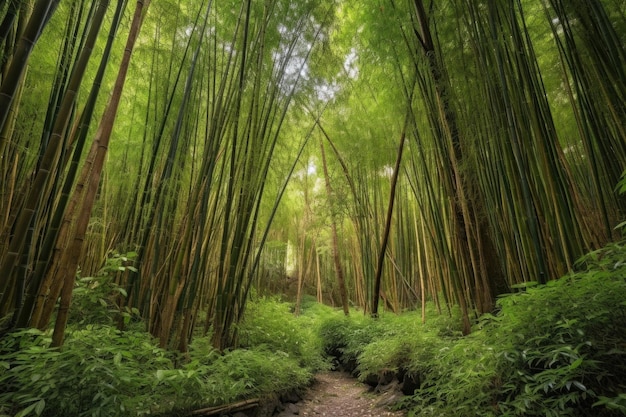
column 226, row 408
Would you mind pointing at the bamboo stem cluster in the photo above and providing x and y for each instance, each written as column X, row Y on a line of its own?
column 504, row 173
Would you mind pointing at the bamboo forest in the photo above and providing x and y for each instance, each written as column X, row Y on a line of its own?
column 209, row 206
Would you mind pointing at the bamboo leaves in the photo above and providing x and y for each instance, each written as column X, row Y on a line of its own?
column 513, row 139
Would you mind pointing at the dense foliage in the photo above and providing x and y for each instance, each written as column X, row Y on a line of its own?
column 549, row 350
column 163, row 164
column 102, row 371
column 402, row 152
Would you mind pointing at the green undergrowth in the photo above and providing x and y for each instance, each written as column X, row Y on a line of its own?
column 548, row 350
column 102, row 371
column 552, row 350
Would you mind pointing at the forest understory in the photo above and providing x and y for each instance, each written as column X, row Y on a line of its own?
column 557, row 349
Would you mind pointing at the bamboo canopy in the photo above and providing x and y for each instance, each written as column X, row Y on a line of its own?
column 396, row 153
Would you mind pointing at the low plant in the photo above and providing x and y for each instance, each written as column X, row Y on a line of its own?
column 551, row 350
column 344, row 338
column 457, row 378
column 562, row 346
column 95, row 299
column 270, row 324
column 99, row 372
column 243, row 373
column 102, row 371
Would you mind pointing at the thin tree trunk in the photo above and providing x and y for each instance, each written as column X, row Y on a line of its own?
column 10, row 82
column 385, row 237
column 7, row 23
column 343, row 293
column 57, row 230
column 49, row 161
column 320, row 297
column 101, row 143
column 466, row 233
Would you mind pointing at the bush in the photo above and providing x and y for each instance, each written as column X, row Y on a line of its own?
column 551, row 350
column 249, row 373
column 562, row 346
column 95, row 299
column 99, row 372
column 269, row 324
column 392, row 342
column 457, row 378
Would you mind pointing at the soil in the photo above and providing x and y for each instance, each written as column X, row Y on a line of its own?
column 336, row 394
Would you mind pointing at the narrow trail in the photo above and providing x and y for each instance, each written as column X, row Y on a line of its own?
column 336, row 394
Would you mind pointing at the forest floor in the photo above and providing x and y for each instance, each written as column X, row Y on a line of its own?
column 336, row 394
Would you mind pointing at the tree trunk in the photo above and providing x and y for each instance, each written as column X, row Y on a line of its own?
column 10, row 82
column 467, row 234
column 101, row 143
column 333, row 224
column 49, row 161
column 385, row 237
column 56, row 234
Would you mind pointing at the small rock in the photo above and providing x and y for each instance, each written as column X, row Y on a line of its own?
column 290, row 397
column 292, row 408
column 371, row 380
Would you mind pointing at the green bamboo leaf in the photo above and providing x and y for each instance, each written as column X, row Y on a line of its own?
column 39, row 406
column 576, row 363
column 27, row 410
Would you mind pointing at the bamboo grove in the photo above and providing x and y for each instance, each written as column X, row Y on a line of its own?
column 401, row 151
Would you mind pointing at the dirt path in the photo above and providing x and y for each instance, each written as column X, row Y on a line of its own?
column 335, row 394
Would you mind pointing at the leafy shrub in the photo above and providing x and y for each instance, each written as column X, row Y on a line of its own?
column 214, row 378
column 457, row 377
column 390, row 351
column 562, row 346
column 344, row 338
column 99, row 372
column 552, row 350
column 243, row 373
column 94, row 300
column 269, row 324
